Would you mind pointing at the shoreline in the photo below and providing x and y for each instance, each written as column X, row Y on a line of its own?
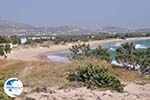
column 41, row 53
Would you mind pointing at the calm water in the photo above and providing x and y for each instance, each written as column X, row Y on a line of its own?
column 59, row 56
column 63, row 55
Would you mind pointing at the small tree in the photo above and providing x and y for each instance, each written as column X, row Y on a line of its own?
column 145, row 62
column 101, row 53
column 132, row 58
column 83, row 50
column 124, row 55
column 4, row 50
column 79, row 51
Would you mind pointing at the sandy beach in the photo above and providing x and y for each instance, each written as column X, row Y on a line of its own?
column 40, row 53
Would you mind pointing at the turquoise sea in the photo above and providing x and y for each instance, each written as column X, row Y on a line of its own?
column 63, row 55
column 144, row 44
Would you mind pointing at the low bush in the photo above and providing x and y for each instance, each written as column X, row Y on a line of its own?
column 95, row 76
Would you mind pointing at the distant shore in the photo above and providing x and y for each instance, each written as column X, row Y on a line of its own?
column 40, row 53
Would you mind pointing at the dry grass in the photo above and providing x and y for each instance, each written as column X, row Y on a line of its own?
column 35, row 73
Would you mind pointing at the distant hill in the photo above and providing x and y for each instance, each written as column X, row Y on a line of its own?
column 63, row 30
column 113, row 29
column 15, row 28
column 12, row 27
column 143, row 30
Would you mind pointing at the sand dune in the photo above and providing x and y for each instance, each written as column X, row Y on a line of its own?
column 133, row 91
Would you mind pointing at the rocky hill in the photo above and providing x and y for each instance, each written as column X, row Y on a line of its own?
column 16, row 28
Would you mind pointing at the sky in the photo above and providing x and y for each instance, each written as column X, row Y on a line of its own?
column 84, row 13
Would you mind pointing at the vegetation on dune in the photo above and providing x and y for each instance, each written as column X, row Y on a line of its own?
column 96, row 76
column 15, row 39
column 4, row 39
column 4, row 50
column 4, row 46
column 79, row 51
column 101, row 53
column 132, row 58
column 83, row 50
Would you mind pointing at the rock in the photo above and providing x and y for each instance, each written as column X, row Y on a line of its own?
column 146, row 87
column 54, row 98
column 67, row 90
column 41, row 89
column 65, row 98
column 44, row 97
column 26, row 90
column 51, row 91
column 98, row 98
column 81, row 98
column 126, row 94
column 29, row 98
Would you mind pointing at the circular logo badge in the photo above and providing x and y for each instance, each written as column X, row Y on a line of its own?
column 13, row 87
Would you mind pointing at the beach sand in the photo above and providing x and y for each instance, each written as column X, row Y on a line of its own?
column 40, row 53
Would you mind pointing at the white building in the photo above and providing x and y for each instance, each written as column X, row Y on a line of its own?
column 23, row 40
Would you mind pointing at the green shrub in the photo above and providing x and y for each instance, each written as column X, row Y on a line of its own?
column 96, row 76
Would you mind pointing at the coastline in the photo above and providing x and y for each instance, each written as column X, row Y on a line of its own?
column 41, row 53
